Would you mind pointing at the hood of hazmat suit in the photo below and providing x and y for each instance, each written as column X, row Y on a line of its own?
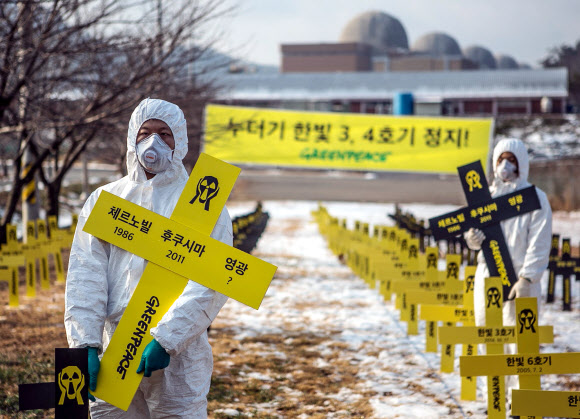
column 528, row 236
column 101, row 279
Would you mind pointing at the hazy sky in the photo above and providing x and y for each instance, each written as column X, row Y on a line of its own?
column 524, row 29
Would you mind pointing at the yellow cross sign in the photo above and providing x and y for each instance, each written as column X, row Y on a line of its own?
column 489, row 335
column 11, row 257
column 522, row 364
column 179, row 247
column 55, row 245
column 565, row 404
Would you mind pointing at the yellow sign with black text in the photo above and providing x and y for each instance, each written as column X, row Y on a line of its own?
column 521, row 364
column 565, row 404
column 488, row 335
column 180, row 249
column 344, row 141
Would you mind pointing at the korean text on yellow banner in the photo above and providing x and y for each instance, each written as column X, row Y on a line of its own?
column 344, row 141
column 181, row 249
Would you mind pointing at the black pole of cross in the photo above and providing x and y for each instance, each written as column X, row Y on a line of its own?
column 554, row 257
column 565, row 266
column 485, row 213
column 68, row 394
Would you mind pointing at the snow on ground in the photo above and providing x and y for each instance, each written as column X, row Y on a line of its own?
column 312, row 291
column 546, row 141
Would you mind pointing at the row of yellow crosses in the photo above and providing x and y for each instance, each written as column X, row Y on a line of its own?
column 39, row 252
column 389, row 262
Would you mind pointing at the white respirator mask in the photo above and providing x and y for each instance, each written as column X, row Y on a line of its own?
column 507, row 171
column 154, row 154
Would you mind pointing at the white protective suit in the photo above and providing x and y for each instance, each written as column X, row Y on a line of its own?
column 528, row 236
column 102, row 277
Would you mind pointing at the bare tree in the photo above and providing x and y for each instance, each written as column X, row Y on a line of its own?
column 569, row 57
column 71, row 71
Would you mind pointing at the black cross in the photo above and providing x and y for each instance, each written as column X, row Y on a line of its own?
column 564, row 265
column 68, row 394
column 485, row 213
column 554, row 257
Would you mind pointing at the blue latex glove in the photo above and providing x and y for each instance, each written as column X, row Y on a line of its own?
column 154, row 358
column 94, row 366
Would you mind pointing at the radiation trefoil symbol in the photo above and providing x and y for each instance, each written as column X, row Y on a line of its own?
column 527, row 320
column 493, row 297
column 566, row 248
column 473, row 180
column 207, row 189
column 452, row 270
column 403, row 245
column 431, row 260
column 71, row 381
column 470, row 283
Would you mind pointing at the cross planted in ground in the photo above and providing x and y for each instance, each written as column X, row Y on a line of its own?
column 68, row 394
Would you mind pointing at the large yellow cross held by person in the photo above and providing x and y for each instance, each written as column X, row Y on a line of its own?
column 177, row 248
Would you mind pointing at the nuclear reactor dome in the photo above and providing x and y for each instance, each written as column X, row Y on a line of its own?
column 481, row 56
column 437, row 43
column 505, row 62
column 378, row 29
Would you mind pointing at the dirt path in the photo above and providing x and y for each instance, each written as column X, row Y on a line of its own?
column 322, row 345
column 28, row 336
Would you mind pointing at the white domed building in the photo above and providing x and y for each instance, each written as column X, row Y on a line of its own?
column 365, row 44
column 372, row 63
column 480, row 56
column 506, row 62
column 437, row 44
column 380, row 30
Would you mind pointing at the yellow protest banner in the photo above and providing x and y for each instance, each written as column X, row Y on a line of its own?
column 180, row 249
column 565, row 404
column 344, row 141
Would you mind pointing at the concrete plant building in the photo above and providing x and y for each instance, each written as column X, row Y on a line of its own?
column 373, row 62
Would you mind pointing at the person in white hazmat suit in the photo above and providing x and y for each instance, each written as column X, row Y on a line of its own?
column 102, row 277
column 528, row 236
